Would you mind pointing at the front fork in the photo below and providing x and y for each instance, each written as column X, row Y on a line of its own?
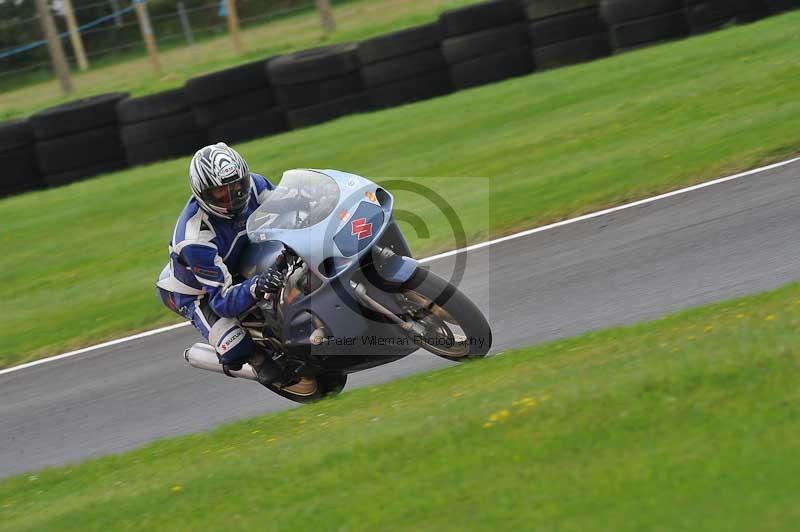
column 391, row 267
column 395, row 270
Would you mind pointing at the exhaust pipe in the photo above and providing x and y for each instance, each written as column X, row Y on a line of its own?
column 203, row 356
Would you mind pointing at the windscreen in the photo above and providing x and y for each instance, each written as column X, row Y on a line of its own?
column 301, row 200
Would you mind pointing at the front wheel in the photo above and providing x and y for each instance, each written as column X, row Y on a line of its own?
column 446, row 322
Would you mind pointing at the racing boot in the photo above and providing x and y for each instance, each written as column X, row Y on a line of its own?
column 234, row 366
column 267, row 370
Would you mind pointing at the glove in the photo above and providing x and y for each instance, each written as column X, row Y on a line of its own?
column 267, row 283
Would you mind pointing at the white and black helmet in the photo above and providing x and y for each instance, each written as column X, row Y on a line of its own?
column 220, row 180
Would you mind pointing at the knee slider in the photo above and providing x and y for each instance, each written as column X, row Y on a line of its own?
column 230, row 340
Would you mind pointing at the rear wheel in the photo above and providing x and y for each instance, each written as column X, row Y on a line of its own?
column 446, row 322
column 328, row 384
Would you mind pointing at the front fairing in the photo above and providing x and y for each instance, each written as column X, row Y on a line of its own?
column 333, row 249
column 327, row 217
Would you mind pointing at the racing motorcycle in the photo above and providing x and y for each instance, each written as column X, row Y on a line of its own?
column 353, row 297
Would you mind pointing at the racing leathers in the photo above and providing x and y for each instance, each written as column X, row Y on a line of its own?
column 197, row 282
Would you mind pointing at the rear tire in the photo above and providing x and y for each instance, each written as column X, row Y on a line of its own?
column 446, row 306
column 328, row 384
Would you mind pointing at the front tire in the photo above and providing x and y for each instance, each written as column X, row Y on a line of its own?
column 454, row 327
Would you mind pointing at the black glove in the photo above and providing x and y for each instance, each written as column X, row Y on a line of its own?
column 267, row 283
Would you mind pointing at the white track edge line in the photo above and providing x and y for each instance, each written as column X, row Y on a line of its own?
column 446, row 254
column 96, row 347
column 604, row 212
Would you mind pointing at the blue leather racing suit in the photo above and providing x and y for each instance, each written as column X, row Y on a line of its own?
column 198, row 283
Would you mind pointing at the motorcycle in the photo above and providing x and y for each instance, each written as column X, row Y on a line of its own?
column 353, row 297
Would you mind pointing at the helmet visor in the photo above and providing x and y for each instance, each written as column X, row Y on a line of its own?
column 230, row 198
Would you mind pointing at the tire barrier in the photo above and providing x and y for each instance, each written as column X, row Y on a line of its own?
column 404, row 66
column 751, row 10
column 779, row 6
column 78, row 139
column 536, row 9
column 708, row 15
column 17, row 158
column 469, row 46
column 636, row 23
column 236, row 104
column 159, row 126
column 569, row 32
column 486, row 42
column 482, row 16
column 320, row 84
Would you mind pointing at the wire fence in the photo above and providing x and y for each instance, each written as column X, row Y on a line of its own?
column 110, row 31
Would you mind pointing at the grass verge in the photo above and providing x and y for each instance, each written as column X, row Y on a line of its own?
column 79, row 261
column 685, row 423
column 356, row 20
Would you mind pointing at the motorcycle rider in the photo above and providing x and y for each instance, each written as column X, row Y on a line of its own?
column 206, row 245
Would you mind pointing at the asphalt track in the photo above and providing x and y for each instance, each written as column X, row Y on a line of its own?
column 729, row 239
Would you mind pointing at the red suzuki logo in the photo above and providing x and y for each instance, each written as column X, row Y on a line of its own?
column 361, row 228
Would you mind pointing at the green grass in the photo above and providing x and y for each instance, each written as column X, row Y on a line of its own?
column 79, row 261
column 688, row 423
column 356, row 20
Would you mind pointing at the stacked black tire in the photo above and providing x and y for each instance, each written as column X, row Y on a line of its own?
column 17, row 158
column 320, row 84
column 709, row 15
column 779, row 6
column 404, row 66
column 157, row 127
column 751, row 10
column 563, row 32
column 486, row 42
column 236, row 104
column 79, row 139
column 635, row 23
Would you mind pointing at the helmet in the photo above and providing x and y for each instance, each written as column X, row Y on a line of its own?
column 220, row 180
